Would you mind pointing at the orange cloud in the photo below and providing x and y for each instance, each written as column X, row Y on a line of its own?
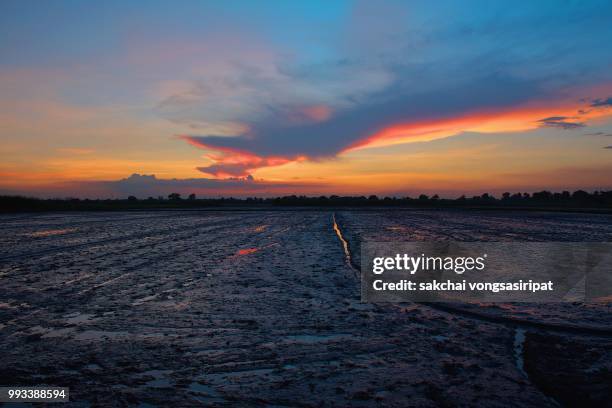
column 516, row 119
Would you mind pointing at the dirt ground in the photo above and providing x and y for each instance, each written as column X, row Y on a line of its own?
column 262, row 308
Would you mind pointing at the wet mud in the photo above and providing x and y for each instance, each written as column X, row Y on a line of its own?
column 262, row 308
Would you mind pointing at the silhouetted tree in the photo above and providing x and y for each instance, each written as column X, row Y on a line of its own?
column 580, row 195
column 565, row 199
column 542, row 195
column 192, row 196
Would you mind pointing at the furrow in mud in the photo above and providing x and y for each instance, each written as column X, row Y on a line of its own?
column 128, row 237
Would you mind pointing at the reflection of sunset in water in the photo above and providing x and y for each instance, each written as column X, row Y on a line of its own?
column 246, row 251
column 48, row 233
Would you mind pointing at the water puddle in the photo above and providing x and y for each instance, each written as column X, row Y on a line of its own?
column 519, row 346
column 345, row 245
column 199, row 388
column 159, row 379
column 93, row 367
column 98, row 335
column 158, row 383
column 246, row 251
column 316, row 338
column 144, row 300
column 49, row 233
column 204, row 393
column 78, row 318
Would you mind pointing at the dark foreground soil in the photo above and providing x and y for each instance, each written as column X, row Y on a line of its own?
column 262, row 309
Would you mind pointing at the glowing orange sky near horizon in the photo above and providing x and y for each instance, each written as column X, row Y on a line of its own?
column 348, row 173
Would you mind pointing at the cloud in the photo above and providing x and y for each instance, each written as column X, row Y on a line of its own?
column 274, row 138
column 150, row 185
column 598, row 103
column 143, row 186
column 232, row 162
column 243, row 89
column 562, row 122
column 598, row 134
column 388, row 71
column 223, row 168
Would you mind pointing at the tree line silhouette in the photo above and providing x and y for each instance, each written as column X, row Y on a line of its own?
column 544, row 199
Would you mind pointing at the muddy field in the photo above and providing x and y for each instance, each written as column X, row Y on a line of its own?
column 262, row 308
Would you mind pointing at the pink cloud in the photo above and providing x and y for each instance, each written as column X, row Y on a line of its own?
column 229, row 162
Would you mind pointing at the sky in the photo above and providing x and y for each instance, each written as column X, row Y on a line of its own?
column 267, row 98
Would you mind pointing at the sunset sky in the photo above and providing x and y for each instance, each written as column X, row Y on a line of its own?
column 220, row 98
